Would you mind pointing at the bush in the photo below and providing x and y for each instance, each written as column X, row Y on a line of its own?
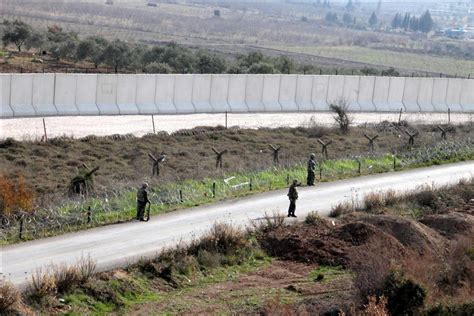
column 373, row 201
column 87, row 269
column 341, row 209
column 405, row 297
column 342, row 118
column 9, row 297
column 269, row 222
column 15, row 196
column 313, row 218
column 222, row 238
column 66, row 278
column 41, row 288
column 208, row 260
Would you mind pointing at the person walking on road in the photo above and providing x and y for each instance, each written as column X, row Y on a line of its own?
column 142, row 200
column 311, row 170
column 293, row 196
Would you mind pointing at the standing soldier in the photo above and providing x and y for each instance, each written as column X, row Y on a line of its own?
column 311, row 170
column 293, row 196
column 142, row 200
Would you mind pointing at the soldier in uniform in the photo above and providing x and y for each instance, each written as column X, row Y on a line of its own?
column 293, row 196
column 142, row 200
column 311, row 170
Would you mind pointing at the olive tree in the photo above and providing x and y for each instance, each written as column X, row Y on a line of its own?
column 16, row 32
column 117, row 55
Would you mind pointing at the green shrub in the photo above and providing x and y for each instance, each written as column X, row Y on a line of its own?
column 405, row 297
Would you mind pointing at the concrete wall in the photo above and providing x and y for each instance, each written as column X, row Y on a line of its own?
column 24, row 95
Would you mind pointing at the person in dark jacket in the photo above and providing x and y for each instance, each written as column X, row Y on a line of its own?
column 311, row 170
column 293, row 196
column 142, row 200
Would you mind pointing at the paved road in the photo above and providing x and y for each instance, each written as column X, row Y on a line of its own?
column 120, row 244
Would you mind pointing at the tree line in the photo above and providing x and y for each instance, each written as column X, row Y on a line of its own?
column 407, row 22
column 121, row 55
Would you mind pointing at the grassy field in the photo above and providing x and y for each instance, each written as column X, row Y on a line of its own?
column 416, row 62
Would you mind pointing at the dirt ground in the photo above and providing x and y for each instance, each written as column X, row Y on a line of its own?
column 124, row 162
column 374, row 245
column 282, row 281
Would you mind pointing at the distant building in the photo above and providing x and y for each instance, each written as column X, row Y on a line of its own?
column 454, row 33
column 152, row 3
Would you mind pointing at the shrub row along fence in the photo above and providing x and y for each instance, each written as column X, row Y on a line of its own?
column 120, row 206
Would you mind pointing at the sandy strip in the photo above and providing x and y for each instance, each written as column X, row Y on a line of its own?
column 80, row 126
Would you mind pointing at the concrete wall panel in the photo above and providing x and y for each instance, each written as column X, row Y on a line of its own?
column 304, row 90
column 438, row 98
column 5, row 109
column 288, row 93
column 127, row 94
column 43, row 94
column 202, row 93
column 107, row 94
column 410, row 94
column 254, row 93
column 65, row 94
column 236, row 93
column 146, row 92
column 271, row 92
column 425, row 94
column 165, row 94
column 366, row 94
column 395, row 94
column 319, row 94
column 453, row 95
column 183, row 94
column 381, row 93
column 335, row 89
column 351, row 92
column 467, row 95
column 21, row 95
column 86, row 94
column 219, row 92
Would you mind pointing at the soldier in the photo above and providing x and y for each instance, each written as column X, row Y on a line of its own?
column 311, row 170
column 293, row 196
column 142, row 200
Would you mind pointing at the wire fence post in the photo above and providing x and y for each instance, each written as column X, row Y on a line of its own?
column 153, row 122
column 226, row 120
column 89, row 215
column 20, row 233
column 44, row 128
column 250, row 184
column 449, row 115
column 359, row 163
column 214, row 189
column 181, row 195
column 394, row 162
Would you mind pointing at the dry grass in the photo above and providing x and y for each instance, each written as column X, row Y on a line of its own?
column 374, row 202
column 66, row 278
column 41, row 288
column 9, row 297
column 341, row 209
column 313, row 218
column 268, row 222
